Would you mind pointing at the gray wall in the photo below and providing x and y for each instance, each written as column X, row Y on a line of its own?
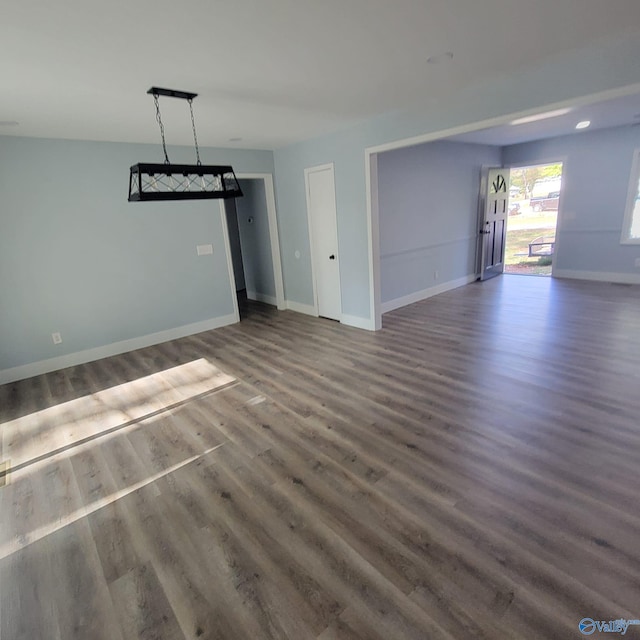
column 77, row 258
column 428, row 204
column 595, row 184
column 255, row 240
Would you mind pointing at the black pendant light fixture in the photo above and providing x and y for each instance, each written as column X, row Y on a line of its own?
column 154, row 181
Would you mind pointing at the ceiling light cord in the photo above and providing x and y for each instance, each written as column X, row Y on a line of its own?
column 159, row 119
column 195, row 137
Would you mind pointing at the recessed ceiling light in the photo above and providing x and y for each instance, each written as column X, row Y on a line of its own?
column 235, row 139
column 440, row 57
column 584, row 124
column 541, row 116
column 9, row 123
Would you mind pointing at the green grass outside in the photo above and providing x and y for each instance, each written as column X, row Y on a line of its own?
column 517, row 253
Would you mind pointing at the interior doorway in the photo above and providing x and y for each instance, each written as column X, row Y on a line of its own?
column 254, row 249
column 534, row 201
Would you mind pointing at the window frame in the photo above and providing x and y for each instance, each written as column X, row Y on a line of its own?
column 632, row 196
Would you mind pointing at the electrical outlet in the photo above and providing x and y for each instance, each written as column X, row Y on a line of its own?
column 57, row 338
column 435, row 274
column 637, row 262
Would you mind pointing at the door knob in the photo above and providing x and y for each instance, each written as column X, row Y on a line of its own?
column 332, row 256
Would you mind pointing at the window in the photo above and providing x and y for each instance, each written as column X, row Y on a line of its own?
column 631, row 224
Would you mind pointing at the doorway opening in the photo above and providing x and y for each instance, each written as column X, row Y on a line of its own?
column 254, row 248
column 534, row 199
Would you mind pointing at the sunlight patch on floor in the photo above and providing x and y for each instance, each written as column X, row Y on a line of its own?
column 70, row 426
column 15, row 544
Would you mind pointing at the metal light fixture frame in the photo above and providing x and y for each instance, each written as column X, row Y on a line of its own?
column 165, row 181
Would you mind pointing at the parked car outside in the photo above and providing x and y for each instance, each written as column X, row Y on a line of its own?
column 545, row 194
column 550, row 202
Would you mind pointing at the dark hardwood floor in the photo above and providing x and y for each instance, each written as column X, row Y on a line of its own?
column 470, row 471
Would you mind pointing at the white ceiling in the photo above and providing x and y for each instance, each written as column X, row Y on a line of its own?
column 269, row 71
column 611, row 113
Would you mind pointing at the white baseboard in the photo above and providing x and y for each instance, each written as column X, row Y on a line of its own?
column 358, row 322
column 351, row 321
column 261, row 297
column 89, row 355
column 598, row 276
column 298, row 307
column 426, row 293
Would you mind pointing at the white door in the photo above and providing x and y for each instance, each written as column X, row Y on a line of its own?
column 323, row 231
column 493, row 226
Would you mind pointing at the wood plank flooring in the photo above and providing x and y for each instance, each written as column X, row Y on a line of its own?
column 470, row 471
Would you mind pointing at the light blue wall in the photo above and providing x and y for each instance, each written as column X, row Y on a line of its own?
column 594, row 194
column 600, row 66
column 428, row 204
column 77, row 258
column 346, row 151
column 255, row 240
